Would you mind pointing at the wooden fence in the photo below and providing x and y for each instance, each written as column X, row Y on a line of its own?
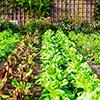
column 62, row 9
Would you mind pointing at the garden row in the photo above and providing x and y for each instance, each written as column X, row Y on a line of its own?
column 66, row 75
column 17, row 79
column 88, row 45
column 41, row 25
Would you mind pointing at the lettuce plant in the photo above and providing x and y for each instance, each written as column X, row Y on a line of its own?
column 88, row 45
column 7, row 43
column 65, row 75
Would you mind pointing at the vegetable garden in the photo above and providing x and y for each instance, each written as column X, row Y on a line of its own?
column 49, row 61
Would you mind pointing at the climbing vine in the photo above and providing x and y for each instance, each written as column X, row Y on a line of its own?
column 33, row 8
column 96, row 12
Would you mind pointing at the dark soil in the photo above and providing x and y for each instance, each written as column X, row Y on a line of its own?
column 95, row 68
column 2, row 64
column 37, row 89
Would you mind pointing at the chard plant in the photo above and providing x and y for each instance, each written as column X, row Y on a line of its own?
column 17, row 78
column 21, row 89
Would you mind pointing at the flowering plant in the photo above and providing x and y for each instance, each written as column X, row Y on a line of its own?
column 81, row 26
column 6, row 24
column 38, row 24
column 66, row 27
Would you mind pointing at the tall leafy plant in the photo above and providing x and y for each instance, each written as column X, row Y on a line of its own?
column 96, row 11
column 42, row 7
column 34, row 8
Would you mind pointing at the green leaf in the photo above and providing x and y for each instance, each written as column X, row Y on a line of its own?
column 64, row 82
column 4, row 96
column 37, row 4
column 26, row 98
column 40, row 7
column 22, row 84
column 29, row 1
column 31, row 85
column 15, row 83
column 44, row 97
column 29, row 73
column 44, row 91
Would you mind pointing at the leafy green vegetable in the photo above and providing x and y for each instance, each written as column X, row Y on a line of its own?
column 88, row 45
column 15, row 83
column 66, row 75
column 7, row 43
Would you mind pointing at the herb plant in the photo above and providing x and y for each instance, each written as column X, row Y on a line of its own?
column 88, row 45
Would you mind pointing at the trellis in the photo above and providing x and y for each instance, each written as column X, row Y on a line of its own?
column 67, row 8
column 17, row 15
column 62, row 9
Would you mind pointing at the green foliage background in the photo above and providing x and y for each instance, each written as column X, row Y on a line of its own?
column 33, row 8
column 96, row 15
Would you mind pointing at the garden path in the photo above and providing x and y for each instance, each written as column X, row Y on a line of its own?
column 2, row 64
column 95, row 68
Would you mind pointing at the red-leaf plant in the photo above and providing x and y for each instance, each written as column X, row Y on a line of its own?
column 19, row 66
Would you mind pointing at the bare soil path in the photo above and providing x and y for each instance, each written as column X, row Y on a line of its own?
column 95, row 68
column 2, row 64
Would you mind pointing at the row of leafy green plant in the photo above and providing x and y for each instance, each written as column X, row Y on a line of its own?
column 66, row 75
column 88, row 45
column 78, row 25
column 18, row 76
column 7, row 43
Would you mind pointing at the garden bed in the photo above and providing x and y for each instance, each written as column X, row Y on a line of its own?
column 57, row 56
column 20, row 68
column 65, row 72
column 49, row 65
